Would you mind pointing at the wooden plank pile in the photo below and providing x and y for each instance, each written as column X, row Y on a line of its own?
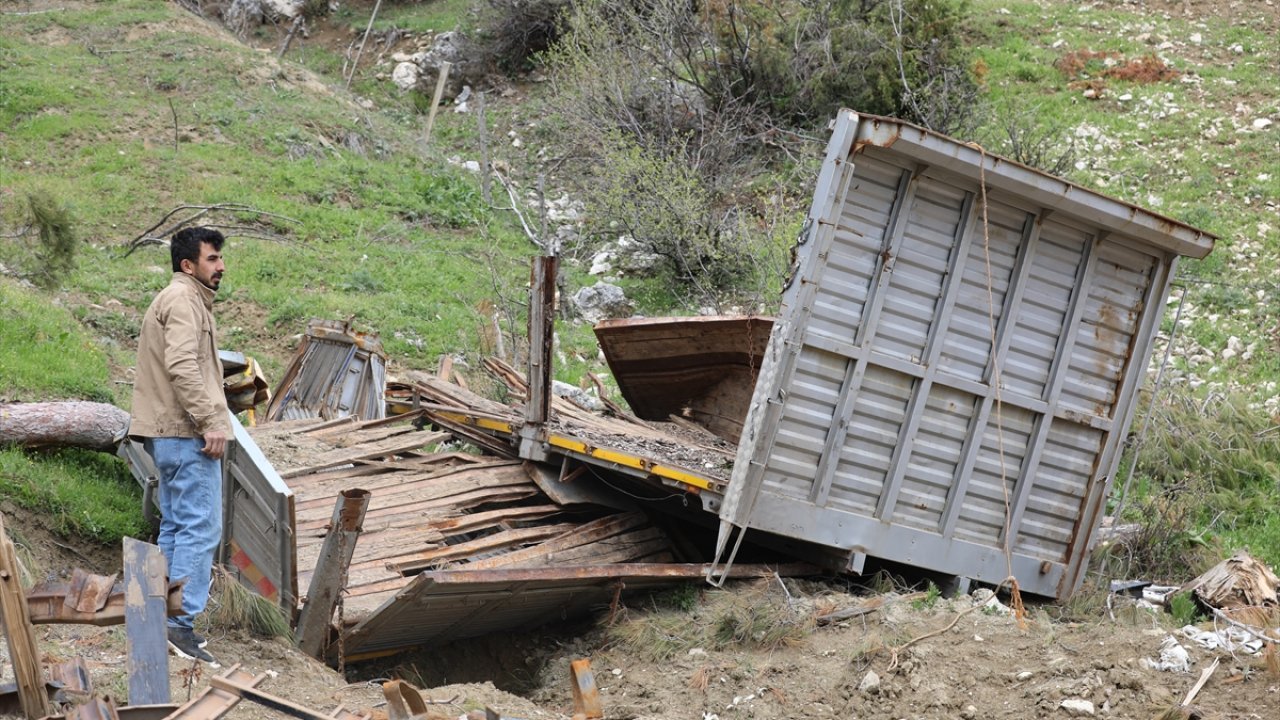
column 434, row 507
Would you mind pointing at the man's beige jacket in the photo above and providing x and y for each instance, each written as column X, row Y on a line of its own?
column 177, row 390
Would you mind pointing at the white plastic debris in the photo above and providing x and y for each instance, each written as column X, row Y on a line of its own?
column 1173, row 657
column 1230, row 639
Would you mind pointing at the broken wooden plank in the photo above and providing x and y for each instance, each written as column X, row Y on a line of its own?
column 145, row 612
column 433, row 483
column 23, row 651
column 489, row 543
column 345, row 456
column 462, row 501
column 586, row 534
column 621, row 548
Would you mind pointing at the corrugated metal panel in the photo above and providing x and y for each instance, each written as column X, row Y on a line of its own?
column 950, row 368
column 335, row 373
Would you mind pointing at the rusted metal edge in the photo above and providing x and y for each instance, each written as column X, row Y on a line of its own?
column 47, row 603
column 241, row 690
column 214, row 702
column 612, row 571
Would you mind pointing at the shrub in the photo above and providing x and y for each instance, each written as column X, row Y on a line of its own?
column 671, row 107
column 513, row 33
column 56, row 255
column 803, row 61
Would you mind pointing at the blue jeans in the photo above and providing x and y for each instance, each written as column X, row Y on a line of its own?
column 191, row 517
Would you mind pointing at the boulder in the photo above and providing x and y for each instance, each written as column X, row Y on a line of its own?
column 601, row 301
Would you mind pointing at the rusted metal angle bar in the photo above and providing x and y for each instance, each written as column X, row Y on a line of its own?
column 47, row 603
column 612, row 572
column 279, row 704
column 586, row 695
column 215, row 702
column 68, row 682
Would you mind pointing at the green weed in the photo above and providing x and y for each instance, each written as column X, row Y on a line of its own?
column 84, row 494
column 1184, row 609
column 44, row 352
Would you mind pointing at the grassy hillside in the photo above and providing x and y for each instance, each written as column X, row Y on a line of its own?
column 125, row 111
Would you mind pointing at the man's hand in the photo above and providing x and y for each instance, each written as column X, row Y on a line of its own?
column 215, row 444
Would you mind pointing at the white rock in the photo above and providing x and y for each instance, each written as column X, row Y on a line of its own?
column 600, row 263
column 1077, row 707
column 697, row 652
column 1024, row 676
column 405, row 75
column 1196, row 38
column 870, row 684
column 1262, row 123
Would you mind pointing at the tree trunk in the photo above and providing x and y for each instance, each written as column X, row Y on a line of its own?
column 95, row 426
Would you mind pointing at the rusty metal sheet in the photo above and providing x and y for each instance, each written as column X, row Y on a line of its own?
column 214, row 702
column 47, row 603
column 700, row 368
column 447, row 605
column 89, row 592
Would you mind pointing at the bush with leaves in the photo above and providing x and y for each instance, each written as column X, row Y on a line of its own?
column 671, row 107
column 56, row 254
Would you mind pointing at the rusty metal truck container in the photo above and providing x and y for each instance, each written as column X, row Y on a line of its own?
column 955, row 364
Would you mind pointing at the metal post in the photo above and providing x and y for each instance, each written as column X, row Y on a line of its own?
column 327, row 583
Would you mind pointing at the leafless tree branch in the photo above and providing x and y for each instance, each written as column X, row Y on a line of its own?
column 158, row 233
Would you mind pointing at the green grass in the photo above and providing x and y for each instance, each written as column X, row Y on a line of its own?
column 81, row 493
column 45, row 353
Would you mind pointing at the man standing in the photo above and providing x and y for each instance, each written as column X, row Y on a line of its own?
column 180, row 413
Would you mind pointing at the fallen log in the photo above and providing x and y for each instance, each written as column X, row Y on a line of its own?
column 90, row 425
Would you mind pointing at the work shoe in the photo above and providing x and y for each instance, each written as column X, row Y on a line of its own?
column 184, row 644
column 201, row 640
